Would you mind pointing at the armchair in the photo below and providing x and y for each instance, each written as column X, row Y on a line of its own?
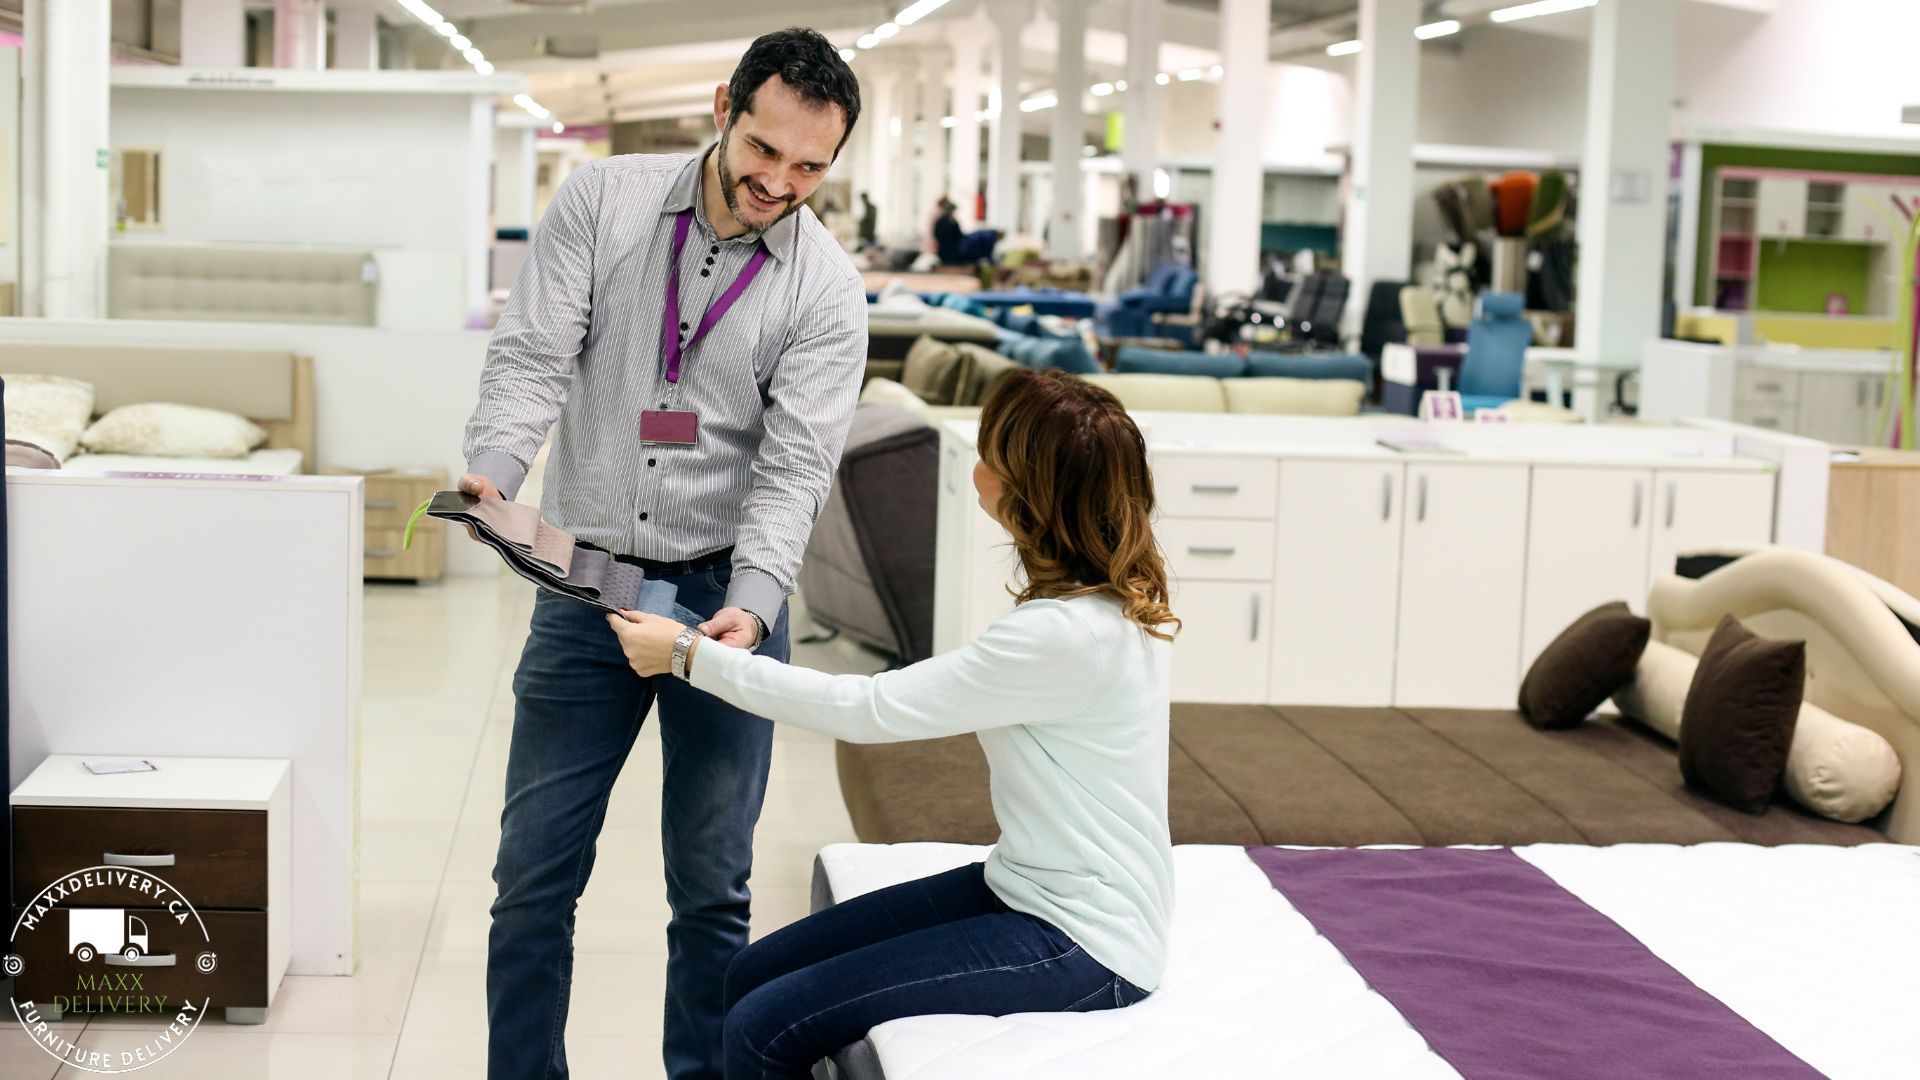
column 1168, row 290
column 1488, row 372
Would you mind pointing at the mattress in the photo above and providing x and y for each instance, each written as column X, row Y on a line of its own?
column 1814, row 945
column 281, row 462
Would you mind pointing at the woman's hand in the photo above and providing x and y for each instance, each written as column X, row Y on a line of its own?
column 648, row 641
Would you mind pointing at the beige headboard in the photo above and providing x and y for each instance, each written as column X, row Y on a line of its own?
column 240, row 283
column 1863, row 663
column 272, row 388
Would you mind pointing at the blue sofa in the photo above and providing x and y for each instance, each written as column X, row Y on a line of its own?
column 1042, row 352
column 1137, row 361
column 1168, row 290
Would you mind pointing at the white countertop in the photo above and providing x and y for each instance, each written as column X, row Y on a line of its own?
column 196, row 783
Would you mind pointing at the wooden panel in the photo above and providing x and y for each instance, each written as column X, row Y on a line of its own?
column 220, row 856
column 386, row 558
column 237, row 940
column 1873, row 515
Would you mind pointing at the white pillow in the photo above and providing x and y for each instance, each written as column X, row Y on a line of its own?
column 48, row 411
column 889, row 392
column 159, row 429
column 1835, row 768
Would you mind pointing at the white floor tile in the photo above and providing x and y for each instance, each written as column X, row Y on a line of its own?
column 214, row 1052
column 405, row 850
column 372, row 1001
column 394, row 915
column 21, row 1058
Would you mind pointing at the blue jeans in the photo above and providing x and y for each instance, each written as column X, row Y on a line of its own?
column 577, row 709
column 942, row 944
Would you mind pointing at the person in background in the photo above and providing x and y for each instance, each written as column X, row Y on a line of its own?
column 947, row 235
column 700, row 337
column 869, row 222
column 1069, row 695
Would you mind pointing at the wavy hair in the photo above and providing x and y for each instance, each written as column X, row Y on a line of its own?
column 1076, row 494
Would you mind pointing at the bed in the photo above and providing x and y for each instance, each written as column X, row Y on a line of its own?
column 272, row 388
column 1345, row 961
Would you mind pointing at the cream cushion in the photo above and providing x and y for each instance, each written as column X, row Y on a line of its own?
column 889, row 392
column 159, row 429
column 49, row 411
column 1164, row 393
column 1280, row 396
column 1836, row 769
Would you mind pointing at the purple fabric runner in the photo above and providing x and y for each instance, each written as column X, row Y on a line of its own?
column 1508, row 975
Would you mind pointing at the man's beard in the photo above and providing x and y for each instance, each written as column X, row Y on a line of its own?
column 728, row 186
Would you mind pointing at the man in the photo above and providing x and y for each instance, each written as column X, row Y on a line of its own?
column 698, row 442
column 947, row 237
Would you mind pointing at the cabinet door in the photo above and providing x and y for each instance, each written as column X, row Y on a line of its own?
column 1336, row 582
column 1783, row 207
column 1834, row 407
column 1461, row 571
column 1586, row 546
column 1697, row 509
column 1869, row 215
column 973, row 556
column 1221, row 651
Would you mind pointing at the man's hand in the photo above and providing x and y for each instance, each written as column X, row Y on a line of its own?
column 647, row 641
column 733, row 627
column 475, row 484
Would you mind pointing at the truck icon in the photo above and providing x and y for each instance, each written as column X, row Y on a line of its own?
column 94, row 931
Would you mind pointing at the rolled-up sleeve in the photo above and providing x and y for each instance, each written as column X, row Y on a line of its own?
column 810, row 401
column 531, row 357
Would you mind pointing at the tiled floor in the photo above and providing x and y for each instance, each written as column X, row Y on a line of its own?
column 433, row 756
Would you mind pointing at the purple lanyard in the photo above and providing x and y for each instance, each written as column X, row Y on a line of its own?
column 669, row 326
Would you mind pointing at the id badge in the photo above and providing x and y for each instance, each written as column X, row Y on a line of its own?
column 675, row 428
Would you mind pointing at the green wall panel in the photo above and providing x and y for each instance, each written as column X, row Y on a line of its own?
column 1797, row 275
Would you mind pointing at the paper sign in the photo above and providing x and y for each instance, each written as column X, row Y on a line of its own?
column 1442, row 405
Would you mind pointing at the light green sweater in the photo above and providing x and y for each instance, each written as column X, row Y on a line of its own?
column 1070, row 700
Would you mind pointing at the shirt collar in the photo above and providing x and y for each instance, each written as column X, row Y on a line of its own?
column 781, row 239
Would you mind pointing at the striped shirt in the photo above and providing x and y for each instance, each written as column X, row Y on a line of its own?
column 774, row 382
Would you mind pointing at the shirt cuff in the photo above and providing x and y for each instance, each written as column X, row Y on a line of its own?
column 756, row 591
column 500, row 467
column 714, row 665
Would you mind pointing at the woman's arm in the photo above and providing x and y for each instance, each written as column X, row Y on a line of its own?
column 1035, row 664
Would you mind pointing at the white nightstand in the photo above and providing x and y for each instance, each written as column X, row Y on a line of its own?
column 212, row 832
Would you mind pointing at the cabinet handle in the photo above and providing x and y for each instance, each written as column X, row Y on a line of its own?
column 382, row 504
column 1386, row 496
column 1216, row 489
column 1639, row 500
column 1254, row 633
column 111, row 859
column 381, row 553
column 1221, row 551
column 1767, row 387
column 1673, row 496
column 1879, row 394
column 153, row 960
column 1860, row 393
column 1421, row 514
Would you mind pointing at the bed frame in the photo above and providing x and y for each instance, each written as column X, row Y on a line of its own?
column 270, row 387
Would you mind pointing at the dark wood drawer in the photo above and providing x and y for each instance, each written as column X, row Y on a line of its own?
column 238, row 940
column 219, row 856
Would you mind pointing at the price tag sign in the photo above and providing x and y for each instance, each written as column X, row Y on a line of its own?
column 1442, row 405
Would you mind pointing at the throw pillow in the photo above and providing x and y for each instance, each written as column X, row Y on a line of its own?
column 985, row 370
column 159, row 429
column 934, row 370
column 889, row 392
column 48, row 411
column 1740, row 715
column 1588, row 661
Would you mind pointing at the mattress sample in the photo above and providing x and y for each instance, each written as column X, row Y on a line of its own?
column 263, row 462
column 1814, row 945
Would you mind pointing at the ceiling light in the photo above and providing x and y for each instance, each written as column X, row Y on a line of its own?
column 483, row 68
column 848, row 55
column 1045, row 100
column 949, row 121
column 867, row 41
column 1344, row 48
column 1541, row 7
column 559, row 128
column 1088, row 151
column 1162, row 184
column 1216, row 71
column 1121, row 86
column 1437, row 29
column 1101, row 89
column 895, row 127
column 918, row 10
column 460, row 41
column 473, row 55
column 523, row 101
column 1190, row 74
column 886, row 30
column 447, row 29
column 422, row 12
column 1163, row 78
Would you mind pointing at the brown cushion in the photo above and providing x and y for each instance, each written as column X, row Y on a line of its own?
column 935, row 370
column 1587, row 662
column 985, row 369
column 1740, row 714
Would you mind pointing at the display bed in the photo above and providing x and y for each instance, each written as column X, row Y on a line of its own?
column 1811, row 945
column 264, row 462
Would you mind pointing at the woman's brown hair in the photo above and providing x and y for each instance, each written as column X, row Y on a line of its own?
column 1076, row 493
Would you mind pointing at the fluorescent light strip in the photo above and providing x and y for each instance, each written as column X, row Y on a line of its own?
column 1437, row 29
column 848, row 55
column 1540, row 7
column 1344, row 48
column 867, row 41
column 461, row 42
column 1044, row 100
column 446, row 29
column 1101, row 89
column 886, row 30
column 918, row 10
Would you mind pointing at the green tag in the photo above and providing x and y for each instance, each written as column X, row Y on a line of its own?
column 406, row 542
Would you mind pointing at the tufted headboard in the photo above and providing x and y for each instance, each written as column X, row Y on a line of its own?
column 241, row 283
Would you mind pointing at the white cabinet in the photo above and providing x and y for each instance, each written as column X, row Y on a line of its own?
column 1220, row 653
column 1867, row 214
column 1837, row 406
column 1587, row 544
column 1702, row 508
column 1783, row 207
column 976, row 548
column 1336, row 582
column 1464, row 545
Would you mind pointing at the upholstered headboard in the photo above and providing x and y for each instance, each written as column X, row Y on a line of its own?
column 241, row 283
column 1863, row 662
column 270, row 387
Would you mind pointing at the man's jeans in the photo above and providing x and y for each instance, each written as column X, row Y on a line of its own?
column 578, row 707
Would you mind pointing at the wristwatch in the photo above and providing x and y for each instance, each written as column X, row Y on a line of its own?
column 760, row 638
column 682, row 646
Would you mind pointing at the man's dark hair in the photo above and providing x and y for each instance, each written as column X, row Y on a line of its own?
column 804, row 61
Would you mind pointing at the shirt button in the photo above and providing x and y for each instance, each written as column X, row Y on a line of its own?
column 705, row 273
column 651, row 463
column 683, row 328
column 715, row 251
column 643, row 515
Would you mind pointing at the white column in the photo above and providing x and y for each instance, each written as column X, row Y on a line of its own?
column 516, row 165
column 932, row 171
column 1623, row 177
column 1140, row 130
column 1010, row 17
column 356, row 36
column 1233, row 208
column 885, row 103
column 1069, row 130
column 300, row 34
column 969, row 38
column 64, row 206
column 899, row 216
column 213, row 33
column 1378, row 245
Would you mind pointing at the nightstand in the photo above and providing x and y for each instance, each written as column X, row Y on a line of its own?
column 391, row 497
column 152, row 889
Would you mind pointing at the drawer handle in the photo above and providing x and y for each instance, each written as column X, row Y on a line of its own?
column 1639, row 500
column 1767, row 387
column 1216, row 489
column 155, row 960
column 382, row 504
column 381, row 553
column 1421, row 516
column 1673, row 496
column 1220, row 551
column 1254, row 634
column 1386, row 497
column 111, row 859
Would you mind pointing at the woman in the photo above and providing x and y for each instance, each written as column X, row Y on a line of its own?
column 1069, row 694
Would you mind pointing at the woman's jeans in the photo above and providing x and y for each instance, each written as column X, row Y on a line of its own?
column 577, row 709
column 942, row 944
